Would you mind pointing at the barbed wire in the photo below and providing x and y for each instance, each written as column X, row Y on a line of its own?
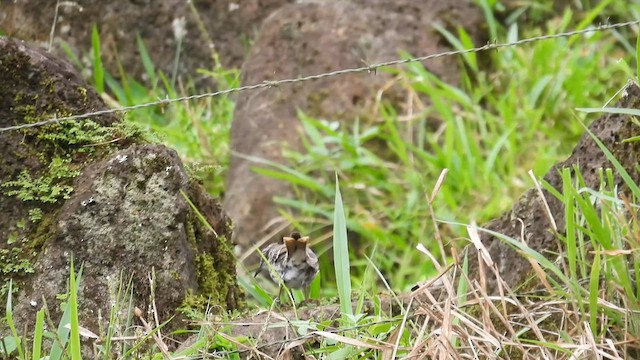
column 369, row 69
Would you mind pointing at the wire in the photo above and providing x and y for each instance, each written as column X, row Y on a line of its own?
column 275, row 83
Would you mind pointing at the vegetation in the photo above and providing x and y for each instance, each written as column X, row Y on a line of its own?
column 488, row 132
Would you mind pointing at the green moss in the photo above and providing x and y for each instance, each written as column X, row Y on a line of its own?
column 193, row 306
column 83, row 93
column 42, row 233
column 77, row 133
column 191, row 233
column 48, row 188
column 35, row 215
column 67, row 143
column 15, row 262
column 175, row 275
column 215, row 275
column 213, row 284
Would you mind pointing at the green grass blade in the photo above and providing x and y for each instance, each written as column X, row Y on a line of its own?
column 314, row 288
column 129, row 309
column 7, row 346
column 115, row 88
column 141, row 341
column 467, row 42
column 304, row 206
column 572, row 251
column 37, row 335
column 284, row 172
column 638, row 57
column 147, row 63
column 12, row 325
column 75, row 325
column 62, row 334
column 113, row 318
column 292, row 177
column 492, row 23
column 98, row 69
column 203, row 219
column 255, row 292
column 72, row 57
column 594, row 281
column 610, row 110
column 341, row 254
column 462, row 43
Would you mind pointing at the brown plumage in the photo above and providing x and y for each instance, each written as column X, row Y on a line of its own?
column 292, row 260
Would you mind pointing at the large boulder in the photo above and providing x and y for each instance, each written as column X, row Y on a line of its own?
column 313, row 38
column 94, row 191
column 527, row 221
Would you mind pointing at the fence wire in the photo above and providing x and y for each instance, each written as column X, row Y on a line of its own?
column 368, row 69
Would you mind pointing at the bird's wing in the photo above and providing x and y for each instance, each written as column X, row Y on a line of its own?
column 312, row 259
column 268, row 254
column 275, row 252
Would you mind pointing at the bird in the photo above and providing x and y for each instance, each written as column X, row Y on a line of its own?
column 291, row 262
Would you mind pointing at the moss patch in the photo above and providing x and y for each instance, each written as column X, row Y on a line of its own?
column 214, row 264
column 213, row 283
column 48, row 188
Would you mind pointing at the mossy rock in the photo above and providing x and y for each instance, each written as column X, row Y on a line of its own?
column 96, row 191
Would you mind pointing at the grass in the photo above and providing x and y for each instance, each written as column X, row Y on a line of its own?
column 64, row 343
column 500, row 122
column 341, row 255
column 488, row 132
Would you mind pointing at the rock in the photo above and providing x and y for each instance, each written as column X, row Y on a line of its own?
column 230, row 26
column 92, row 190
column 312, row 38
column 611, row 129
